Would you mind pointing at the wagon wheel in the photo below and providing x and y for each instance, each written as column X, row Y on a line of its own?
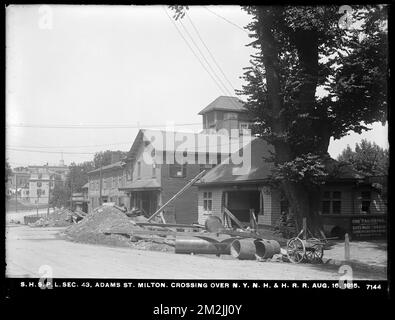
column 315, row 253
column 296, row 250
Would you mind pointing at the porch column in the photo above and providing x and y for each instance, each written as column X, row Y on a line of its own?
column 270, row 203
column 266, row 218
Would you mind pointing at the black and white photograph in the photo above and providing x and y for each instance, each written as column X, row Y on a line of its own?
column 190, row 146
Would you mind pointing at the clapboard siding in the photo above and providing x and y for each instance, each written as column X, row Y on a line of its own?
column 349, row 198
column 271, row 206
column 268, row 216
column 185, row 208
column 216, row 207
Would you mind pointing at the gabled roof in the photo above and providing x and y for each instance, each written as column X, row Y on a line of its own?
column 225, row 103
column 115, row 165
column 172, row 140
column 261, row 168
column 143, row 184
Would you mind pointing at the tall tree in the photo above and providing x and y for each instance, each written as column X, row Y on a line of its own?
column 299, row 52
column 78, row 175
column 301, row 49
column 104, row 158
column 368, row 158
column 60, row 194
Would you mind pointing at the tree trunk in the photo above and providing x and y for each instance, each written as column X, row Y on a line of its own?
column 303, row 202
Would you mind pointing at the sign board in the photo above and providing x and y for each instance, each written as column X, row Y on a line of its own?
column 77, row 198
column 369, row 227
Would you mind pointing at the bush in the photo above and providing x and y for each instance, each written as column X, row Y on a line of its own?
column 286, row 225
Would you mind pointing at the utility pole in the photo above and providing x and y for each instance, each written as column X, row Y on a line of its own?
column 101, row 183
column 16, row 192
column 38, row 199
column 71, row 192
column 49, row 194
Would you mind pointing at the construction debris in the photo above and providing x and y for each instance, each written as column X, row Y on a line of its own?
column 59, row 218
column 243, row 249
column 251, row 249
column 102, row 219
column 202, row 245
column 110, row 226
column 266, row 249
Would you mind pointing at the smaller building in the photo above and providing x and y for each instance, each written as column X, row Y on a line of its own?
column 220, row 188
column 109, row 178
column 80, row 200
column 349, row 202
column 18, row 182
column 42, row 181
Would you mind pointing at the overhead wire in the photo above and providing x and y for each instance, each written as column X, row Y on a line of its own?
column 193, row 51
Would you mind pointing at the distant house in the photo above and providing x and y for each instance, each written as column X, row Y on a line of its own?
column 18, row 181
column 109, row 178
column 42, row 181
column 346, row 197
column 80, row 200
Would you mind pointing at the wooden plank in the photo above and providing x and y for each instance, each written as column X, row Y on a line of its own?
column 119, row 208
column 162, row 217
column 346, row 247
column 241, row 234
column 178, row 233
column 304, row 228
column 78, row 214
column 153, row 232
column 179, row 193
column 237, row 221
column 169, row 225
column 254, row 223
column 323, row 235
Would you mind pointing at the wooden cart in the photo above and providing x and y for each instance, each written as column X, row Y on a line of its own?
column 309, row 250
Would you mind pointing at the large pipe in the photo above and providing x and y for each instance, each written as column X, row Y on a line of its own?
column 243, row 249
column 265, row 249
column 276, row 246
column 213, row 224
column 201, row 245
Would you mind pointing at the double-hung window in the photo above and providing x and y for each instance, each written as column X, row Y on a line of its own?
column 332, row 202
column 207, row 202
column 365, row 201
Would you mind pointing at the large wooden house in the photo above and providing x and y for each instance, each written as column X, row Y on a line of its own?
column 155, row 173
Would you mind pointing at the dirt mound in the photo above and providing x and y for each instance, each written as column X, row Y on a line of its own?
column 59, row 218
column 102, row 220
column 110, row 226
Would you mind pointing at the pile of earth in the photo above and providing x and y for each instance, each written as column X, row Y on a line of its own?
column 59, row 218
column 109, row 226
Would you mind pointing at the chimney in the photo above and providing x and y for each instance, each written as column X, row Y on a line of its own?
column 115, row 157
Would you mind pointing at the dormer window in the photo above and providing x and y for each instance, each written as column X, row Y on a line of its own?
column 245, row 128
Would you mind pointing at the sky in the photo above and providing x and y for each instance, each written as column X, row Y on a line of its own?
column 111, row 66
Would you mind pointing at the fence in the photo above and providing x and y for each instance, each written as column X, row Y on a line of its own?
column 33, row 218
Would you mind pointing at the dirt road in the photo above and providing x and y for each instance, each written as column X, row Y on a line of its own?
column 29, row 248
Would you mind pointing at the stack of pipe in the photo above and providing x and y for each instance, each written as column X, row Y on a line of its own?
column 203, row 245
column 251, row 249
